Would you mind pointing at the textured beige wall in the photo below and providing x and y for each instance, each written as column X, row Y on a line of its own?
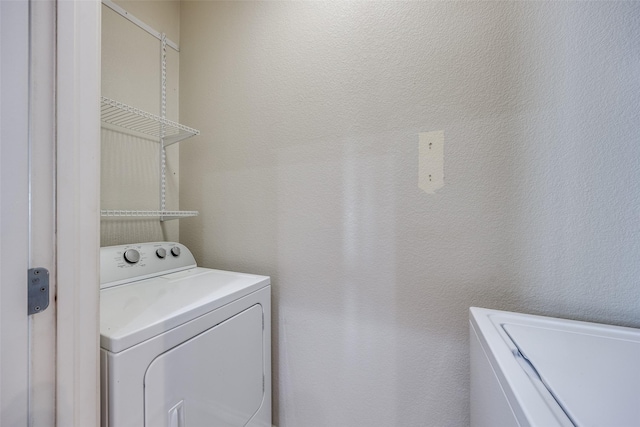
column 161, row 15
column 130, row 165
column 307, row 170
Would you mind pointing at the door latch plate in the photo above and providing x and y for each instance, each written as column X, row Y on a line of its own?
column 38, row 286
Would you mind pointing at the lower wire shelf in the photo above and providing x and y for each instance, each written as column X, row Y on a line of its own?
column 163, row 215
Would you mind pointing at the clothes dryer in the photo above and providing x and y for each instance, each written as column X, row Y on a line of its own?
column 181, row 345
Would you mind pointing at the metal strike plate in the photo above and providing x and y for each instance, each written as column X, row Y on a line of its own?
column 38, row 289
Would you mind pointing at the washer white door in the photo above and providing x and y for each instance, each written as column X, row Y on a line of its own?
column 214, row 379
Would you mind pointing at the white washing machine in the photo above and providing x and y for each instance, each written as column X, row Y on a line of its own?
column 182, row 346
column 538, row 371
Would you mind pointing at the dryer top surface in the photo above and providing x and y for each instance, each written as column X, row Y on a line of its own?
column 137, row 311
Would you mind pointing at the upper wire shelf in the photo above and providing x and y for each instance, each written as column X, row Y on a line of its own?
column 124, row 116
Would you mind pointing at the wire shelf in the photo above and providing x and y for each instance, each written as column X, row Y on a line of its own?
column 163, row 215
column 124, row 116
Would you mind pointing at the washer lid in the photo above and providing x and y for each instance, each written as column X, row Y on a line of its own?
column 133, row 313
column 591, row 370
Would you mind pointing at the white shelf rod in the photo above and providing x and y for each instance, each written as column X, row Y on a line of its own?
column 120, row 11
column 163, row 116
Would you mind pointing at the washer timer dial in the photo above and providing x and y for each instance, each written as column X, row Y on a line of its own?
column 132, row 256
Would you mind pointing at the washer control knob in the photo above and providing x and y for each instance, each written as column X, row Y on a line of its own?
column 161, row 253
column 132, row 256
column 175, row 251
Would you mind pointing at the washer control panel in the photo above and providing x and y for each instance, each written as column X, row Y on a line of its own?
column 127, row 263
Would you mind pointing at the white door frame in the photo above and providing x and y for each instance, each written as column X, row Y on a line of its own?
column 78, row 212
column 42, row 218
column 14, row 211
column 61, row 384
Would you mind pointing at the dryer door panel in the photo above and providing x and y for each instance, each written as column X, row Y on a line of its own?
column 214, row 379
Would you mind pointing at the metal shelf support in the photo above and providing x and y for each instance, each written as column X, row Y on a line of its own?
column 121, row 117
